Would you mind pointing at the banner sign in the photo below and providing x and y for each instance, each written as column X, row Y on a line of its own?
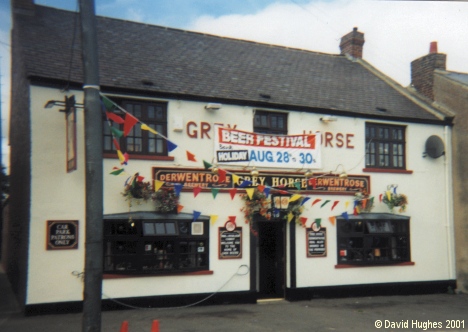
column 242, row 148
column 190, row 177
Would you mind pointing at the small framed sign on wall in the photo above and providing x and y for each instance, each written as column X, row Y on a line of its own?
column 62, row 234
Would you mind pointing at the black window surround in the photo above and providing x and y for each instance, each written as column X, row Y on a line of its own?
column 149, row 243
column 373, row 239
column 140, row 144
column 266, row 122
column 385, row 147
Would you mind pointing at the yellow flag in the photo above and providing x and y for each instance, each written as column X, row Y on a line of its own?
column 235, row 179
column 250, row 192
column 294, row 197
column 389, row 195
column 121, row 156
column 146, row 127
column 346, row 204
column 290, row 216
column 158, row 184
column 213, row 219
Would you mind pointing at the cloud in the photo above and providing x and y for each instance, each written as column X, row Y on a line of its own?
column 396, row 32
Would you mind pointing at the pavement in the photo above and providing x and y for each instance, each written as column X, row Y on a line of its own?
column 435, row 312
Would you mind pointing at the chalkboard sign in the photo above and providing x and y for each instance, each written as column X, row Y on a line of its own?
column 316, row 242
column 62, row 234
column 230, row 243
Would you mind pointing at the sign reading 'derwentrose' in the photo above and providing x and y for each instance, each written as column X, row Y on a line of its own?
column 62, row 234
column 242, row 148
column 205, row 179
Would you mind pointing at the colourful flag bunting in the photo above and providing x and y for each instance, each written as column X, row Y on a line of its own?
column 177, row 188
column 235, row 179
column 295, row 197
column 313, row 182
column 214, row 192
column 389, row 195
column 158, row 184
column 115, row 132
column 114, row 117
column 250, row 192
column 190, row 156
column 335, row 203
column 170, row 146
column 305, row 200
column 121, row 156
column 303, row 221
column 345, row 215
column 316, row 201
column 325, row 203
column 179, row 208
column 332, row 220
column 346, row 204
column 196, row 191
column 130, row 121
column 125, row 159
column 245, row 183
column 290, row 216
column 148, row 128
column 196, row 214
column 206, row 164
column 117, row 171
column 116, row 144
column 108, row 104
column 232, row 219
column 261, row 187
column 221, row 175
column 364, row 203
column 233, row 192
column 266, row 191
column 213, row 219
column 297, row 185
column 318, row 222
column 380, row 198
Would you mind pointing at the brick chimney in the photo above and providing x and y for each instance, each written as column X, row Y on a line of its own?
column 22, row 6
column 422, row 70
column 352, row 44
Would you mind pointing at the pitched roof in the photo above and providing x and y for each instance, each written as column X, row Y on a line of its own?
column 177, row 62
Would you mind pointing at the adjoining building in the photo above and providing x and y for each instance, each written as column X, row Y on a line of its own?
column 268, row 171
column 449, row 90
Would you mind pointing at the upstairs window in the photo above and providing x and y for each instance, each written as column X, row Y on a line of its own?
column 385, row 146
column 138, row 141
column 271, row 123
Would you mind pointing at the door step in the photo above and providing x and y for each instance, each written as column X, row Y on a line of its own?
column 268, row 301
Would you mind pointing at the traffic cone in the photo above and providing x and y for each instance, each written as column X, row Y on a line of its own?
column 155, row 326
column 124, row 327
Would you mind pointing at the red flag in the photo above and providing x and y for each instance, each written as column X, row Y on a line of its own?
column 116, row 144
column 130, row 121
column 313, row 182
column 261, row 187
column 190, row 156
column 222, row 175
column 196, row 191
column 232, row 219
column 303, row 221
column 114, row 117
column 335, row 203
column 233, row 192
column 316, row 201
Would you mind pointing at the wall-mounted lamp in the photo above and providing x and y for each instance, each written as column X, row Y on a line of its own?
column 343, row 173
column 254, row 172
column 328, row 118
column 308, row 174
column 213, row 106
column 69, row 103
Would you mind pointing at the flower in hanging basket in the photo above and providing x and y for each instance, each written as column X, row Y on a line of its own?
column 392, row 200
column 362, row 201
column 135, row 188
column 295, row 208
column 258, row 203
column 166, row 200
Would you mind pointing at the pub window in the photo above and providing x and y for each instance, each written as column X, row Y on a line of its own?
column 270, row 123
column 385, row 146
column 138, row 141
column 155, row 246
column 370, row 239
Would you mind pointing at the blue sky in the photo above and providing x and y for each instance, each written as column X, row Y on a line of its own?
column 396, row 32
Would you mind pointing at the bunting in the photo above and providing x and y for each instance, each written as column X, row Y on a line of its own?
column 213, row 219
column 325, row 203
column 335, row 203
column 190, row 156
column 250, row 192
column 114, row 117
column 196, row 191
column 196, row 214
column 117, row 171
column 316, row 201
column 158, row 184
column 130, row 122
column 332, row 220
column 177, row 188
column 179, row 208
column 148, row 128
column 214, row 192
column 170, row 146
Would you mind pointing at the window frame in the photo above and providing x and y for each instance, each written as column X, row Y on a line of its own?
column 129, row 251
column 270, row 128
column 160, row 125
column 358, row 243
column 375, row 144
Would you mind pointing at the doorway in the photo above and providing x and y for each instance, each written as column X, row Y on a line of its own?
column 271, row 259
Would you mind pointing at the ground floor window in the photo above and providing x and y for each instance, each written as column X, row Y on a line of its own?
column 373, row 239
column 155, row 244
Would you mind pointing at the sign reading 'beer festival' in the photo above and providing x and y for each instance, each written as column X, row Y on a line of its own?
column 241, row 148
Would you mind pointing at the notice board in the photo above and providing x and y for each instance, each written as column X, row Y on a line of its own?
column 316, row 242
column 230, row 243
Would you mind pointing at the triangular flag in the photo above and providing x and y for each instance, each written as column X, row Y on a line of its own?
column 261, row 187
column 318, row 222
column 303, row 221
column 196, row 191
column 206, row 164
column 140, row 178
column 170, row 146
column 235, row 179
column 346, row 204
column 116, row 132
column 294, row 198
column 233, row 192
column 114, row 117
column 108, row 104
column 213, row 219
column 389, row 195
column 245, row 183
column 121, row 156
column 179, row 208
column 335, row 203
column 125, row 159
column 364, row 203
column 371, row 201
column 158, row 184
column 117, row 171
column 313, row 182
column 222, row 175
column 214, row 192
column 332, row 220
column 190, row 156
column 297, row 185
column 380, row 197
column 394, row 190
column 146, row 127
column 305, row 200
column 130, row 121
column 266, row 191
column 316, row 201
column 116, row 144
column 290, row 216
column 178, row 188
column 250, row 192
column 345, row 215
column 196, row 214
column 325, row 203
column 355, row 211
column 232, row 219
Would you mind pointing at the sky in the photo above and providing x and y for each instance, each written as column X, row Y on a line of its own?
column 395, row 32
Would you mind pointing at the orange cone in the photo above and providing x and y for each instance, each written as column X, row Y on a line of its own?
column 124, row 327
column 155, row 326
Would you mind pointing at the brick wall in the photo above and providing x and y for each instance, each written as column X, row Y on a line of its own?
column 422, row 72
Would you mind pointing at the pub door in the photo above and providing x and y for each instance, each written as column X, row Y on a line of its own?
column 271, row 259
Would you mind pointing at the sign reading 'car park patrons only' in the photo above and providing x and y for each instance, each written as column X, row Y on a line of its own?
column 242, row 148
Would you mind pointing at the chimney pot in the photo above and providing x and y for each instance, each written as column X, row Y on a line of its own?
column 352, row 43
column 433, row 47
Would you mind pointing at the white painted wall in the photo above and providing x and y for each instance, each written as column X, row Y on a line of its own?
column 60, row 195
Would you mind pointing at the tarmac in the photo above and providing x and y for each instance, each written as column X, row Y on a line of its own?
column 435, row 312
